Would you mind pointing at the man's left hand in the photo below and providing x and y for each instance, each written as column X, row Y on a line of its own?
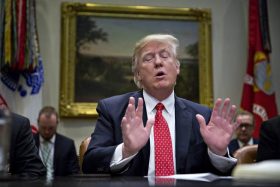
column 217, row 134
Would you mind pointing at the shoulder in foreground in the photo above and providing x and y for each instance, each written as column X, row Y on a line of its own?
column 273, row 121
column 19, row 120
column 18, row 117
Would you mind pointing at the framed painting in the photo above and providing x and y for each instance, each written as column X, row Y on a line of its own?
column 97, row 43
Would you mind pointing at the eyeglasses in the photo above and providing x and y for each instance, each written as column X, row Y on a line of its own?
column 246, row 125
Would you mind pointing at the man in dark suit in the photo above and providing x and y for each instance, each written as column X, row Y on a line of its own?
column 269, row 144
column 24, row 160
column 57, row 152
column 244, row 132
column 125, row 142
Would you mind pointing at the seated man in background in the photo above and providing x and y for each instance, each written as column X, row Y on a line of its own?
column 269, row 144
column 244, row 132
column 24, row 160
column 152, row 131
column 57, row 152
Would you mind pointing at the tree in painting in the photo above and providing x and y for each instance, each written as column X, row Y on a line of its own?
column 87, row 31
column 192, row 50
column 102, row 76
column 188, row 82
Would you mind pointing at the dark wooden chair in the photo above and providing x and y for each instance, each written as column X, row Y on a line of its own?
column 83, row 148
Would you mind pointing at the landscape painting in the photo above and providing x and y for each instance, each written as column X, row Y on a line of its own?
column 98, row 60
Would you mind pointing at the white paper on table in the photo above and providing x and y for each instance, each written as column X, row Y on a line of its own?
column 206, row 177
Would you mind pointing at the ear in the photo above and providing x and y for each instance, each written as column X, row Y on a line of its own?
column 178, row 67
column 138, row 76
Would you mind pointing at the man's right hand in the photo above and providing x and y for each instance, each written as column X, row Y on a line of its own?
column 135, row 135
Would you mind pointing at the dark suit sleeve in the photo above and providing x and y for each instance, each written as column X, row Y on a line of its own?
column 269, row 143
column 73, row 160
column 102, row 145
column 65, row 156
column 24, row 157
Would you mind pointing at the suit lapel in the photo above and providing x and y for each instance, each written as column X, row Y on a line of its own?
column 145, row 152
column 37, row 141
column 56, row 152
column 146, row 149
column 137, row 95
column 183, row 129
column 236, row 144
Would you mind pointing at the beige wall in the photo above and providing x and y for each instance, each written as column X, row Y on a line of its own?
column 229, row 46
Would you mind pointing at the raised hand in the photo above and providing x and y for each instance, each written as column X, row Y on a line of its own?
column 217, row 134
column 135, row 135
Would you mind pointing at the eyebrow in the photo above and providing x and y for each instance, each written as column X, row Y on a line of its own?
column 160, row 51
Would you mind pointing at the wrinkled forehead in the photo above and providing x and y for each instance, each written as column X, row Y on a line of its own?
column 155, row 46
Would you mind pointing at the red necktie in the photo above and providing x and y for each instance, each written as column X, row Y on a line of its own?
column 163, row 146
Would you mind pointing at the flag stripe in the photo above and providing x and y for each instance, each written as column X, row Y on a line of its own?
column 258, row 97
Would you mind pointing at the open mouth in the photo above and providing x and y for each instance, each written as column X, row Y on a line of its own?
column 159, row 74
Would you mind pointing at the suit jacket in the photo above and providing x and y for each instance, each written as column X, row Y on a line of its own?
column 233, row 145
column 24, row 158
column 191, row 151
column 65, row 161
column 269, row 142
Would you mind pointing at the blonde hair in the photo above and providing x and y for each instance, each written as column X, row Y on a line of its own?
column 163, row 38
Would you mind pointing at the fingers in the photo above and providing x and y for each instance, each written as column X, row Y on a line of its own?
column 223, row 115
column 231, row 113
column 228, row 111
column 124, row 126
column 124, row 123
column 217, row 106
column 201, row 121
column 130, row 110
column 225, row 108
column 237, row 123
column 134, row 116
column 139, row 110
column 149, row 125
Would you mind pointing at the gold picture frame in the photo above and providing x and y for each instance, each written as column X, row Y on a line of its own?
column 95, row 36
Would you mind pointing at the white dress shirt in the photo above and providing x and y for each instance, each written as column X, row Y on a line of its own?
column 117, row 163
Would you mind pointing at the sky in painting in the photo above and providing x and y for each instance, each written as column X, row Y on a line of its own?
column 123, row 33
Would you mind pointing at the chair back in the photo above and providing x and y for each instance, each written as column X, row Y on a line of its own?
column 246, row 154
column 83, row 149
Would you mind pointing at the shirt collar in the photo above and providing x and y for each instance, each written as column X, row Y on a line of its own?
column 250, row 142
column 151, row 102
column 52, row 140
